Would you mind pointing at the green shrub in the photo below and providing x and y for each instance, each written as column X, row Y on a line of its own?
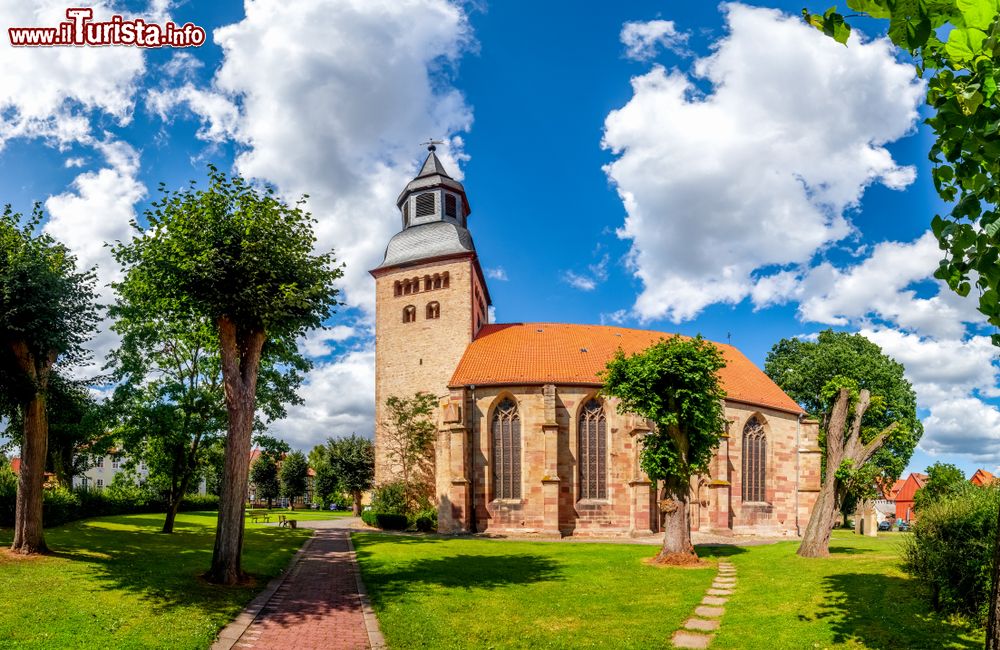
column 426, row 521
column 59, row 505
column 368, row 516
column 199, row 502
column 950, row 550
column 390, row 499
column 8, row 495
column 387, row 521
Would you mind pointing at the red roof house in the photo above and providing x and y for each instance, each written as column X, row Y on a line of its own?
column 982, row 478
column 905, row 494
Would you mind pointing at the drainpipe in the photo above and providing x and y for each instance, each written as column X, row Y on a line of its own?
column 798, row 456
column 473, row 526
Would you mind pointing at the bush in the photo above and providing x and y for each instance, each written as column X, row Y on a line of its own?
column 951, row 550
column 426, row 521
column 8, row 496
column 390, row 499
column 199, row 502
column 387, row 521
column 368, row 516
column 59, row 506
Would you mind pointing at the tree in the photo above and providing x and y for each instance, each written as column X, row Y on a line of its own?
column 849, row 445
column 803, row 369
column 962, row 93
column 77, row 427
column 675, row 383
column 264, row 476
column 943, row 479
column 325, row 486
column 294, row 473
column 170, row 394
column 409, row 432
column 352, row 464
column 243, row 260
column 47, row 312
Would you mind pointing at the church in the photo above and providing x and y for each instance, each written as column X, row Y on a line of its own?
column 526, row 444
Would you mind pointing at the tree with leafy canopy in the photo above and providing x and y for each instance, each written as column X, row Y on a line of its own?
column 243, row 260
column 408, row 437
column 943, row 480
column 169, row 398
column 803, row 369
column 47, row 313
column 963, row 75
column 294, row 475
column 264, row 476
column 352, row 463
column 675, row 383
column 78, row 427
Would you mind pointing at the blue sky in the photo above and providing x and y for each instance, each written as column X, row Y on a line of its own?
column 689, row 167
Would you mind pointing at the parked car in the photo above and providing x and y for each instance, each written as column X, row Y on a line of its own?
column 903, row 526
column 884, row 526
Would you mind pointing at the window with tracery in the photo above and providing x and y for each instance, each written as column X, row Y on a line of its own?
column 506, row 434
column 593, row 451
column 754, row 461
column 409, row 314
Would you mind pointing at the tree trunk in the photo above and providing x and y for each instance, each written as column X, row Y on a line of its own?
column 28, row 535
column 677, row 547
column 356, row 508
column 175, row 503
column 842, row 444
column 240, row 353
column 993, row 624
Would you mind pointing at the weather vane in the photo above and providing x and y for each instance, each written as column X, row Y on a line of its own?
column 432, row 144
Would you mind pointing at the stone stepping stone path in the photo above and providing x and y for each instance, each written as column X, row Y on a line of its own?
column 698, row 631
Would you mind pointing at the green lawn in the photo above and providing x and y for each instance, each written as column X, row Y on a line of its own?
column 464, row 593
column 475, row 593
column 117, row 582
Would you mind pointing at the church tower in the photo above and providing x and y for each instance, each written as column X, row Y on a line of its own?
column 430, row 295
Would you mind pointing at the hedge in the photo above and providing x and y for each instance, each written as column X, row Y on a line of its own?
column 60, row 506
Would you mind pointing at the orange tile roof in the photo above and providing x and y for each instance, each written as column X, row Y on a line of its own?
column 557, row 353
column 15, row 465
column 982, row 477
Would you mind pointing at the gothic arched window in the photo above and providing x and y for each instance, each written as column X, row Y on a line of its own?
column 409, row 314
column 506, row 434
column 433, row 310
column 754, row 461
column 592, row 456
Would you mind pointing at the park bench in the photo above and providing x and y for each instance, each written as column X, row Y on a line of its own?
column 256, row 515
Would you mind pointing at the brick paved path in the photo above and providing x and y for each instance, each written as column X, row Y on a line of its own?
column 318, row 605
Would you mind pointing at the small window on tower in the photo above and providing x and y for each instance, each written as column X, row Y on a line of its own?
column 425, row 204
column 437, row 280
column 397, row 288
column 450, row 205
column 433, row 310
column 409, row 314
column 444, row 278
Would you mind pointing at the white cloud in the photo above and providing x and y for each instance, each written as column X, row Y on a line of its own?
column 50, row 92
column 497, row 273
column 98, row 208
column 70, row 163
column 328, row 110
column 596, row 274
column 880, row 287
column 759, row 171
column 339, row 399
column 182, row 64
column 643, row 39
column 317, row 342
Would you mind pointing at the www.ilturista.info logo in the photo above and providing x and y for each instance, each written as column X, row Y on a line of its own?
column 80, row 30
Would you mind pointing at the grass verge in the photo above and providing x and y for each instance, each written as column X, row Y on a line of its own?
column 117, row 582
column 465, row 593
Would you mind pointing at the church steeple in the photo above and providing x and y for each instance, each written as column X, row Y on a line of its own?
column 435, row 212
column 433, row 195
